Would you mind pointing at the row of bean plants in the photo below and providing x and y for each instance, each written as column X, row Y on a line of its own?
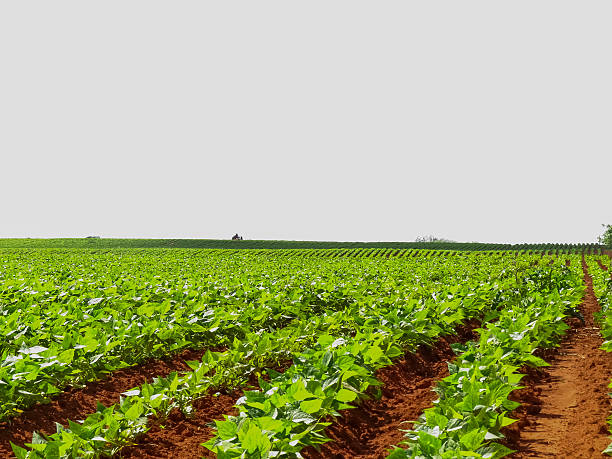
column 67, row 323
column 73, row 316
column 358, row 291
column 291, row 410
column 473, row 406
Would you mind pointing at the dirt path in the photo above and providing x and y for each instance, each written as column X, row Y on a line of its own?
column 76, row 404
column 565, row 406
column 371, row 429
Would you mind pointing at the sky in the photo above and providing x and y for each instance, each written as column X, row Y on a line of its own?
column 320, row 120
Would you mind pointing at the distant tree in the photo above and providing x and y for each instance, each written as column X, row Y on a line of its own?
column 606, row 237
column 432, row 239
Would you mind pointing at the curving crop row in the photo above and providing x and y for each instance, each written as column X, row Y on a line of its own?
column 70, row 317
column 74, row 329
column 376, row 297
column 291, row 411
column 473, row 406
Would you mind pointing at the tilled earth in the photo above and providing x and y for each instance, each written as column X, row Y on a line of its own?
column 77, row 403
column 565, row 406
column 563, row 413
column 370, row 430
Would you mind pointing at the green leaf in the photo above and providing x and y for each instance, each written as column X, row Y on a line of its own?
column 536, row 361
column 134, row 412
column 325, row 340
column 374, row 353
column 298, row 391
column 507, row 421
column 345, row 395
column 269, row 424
column 299, row 416
column 253, row 439
column 473, row 439
column 66, row 356
column 226, row 429
column 20, row 453
column 311, row 406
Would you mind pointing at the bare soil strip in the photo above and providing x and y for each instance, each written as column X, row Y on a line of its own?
column 180, row 437
column 369, row 430
column 75, row 404
column 565, row 406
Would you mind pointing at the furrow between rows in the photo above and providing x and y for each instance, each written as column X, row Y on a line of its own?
column 406, row 392
column 374, row 426
column 77, row 403
column 565, row 406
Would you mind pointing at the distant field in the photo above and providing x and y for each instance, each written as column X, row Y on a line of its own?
column 268, row 244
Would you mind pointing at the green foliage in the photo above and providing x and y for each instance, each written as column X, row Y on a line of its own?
column 473, row 404
column 71, row 316
column 266, row 312
column 606, row 237
column 473, row 400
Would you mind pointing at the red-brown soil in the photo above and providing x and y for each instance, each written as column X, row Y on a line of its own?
column 565, row 406
column 371, row 429
column 77, row 403
column 180, row 437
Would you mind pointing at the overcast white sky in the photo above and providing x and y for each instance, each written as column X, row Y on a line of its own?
column 313, row 120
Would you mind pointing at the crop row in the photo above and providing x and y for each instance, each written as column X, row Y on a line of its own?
column 333, row 296
column 70, row 317
column 388, row 253
column 382, row 321
column 291, row 410
column 473, row 406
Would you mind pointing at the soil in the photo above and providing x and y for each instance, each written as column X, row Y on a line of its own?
column 371, row 429
column 602, row 266
column 181, row 437
column 565, row 406
column 77, row 403
column 563, row 412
